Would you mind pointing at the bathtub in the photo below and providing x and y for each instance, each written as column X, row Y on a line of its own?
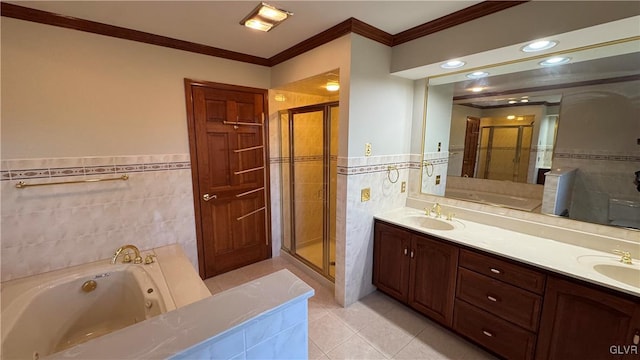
column 51, row 312
column 509, row 201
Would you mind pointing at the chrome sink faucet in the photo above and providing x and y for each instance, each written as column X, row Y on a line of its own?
column 136, row 260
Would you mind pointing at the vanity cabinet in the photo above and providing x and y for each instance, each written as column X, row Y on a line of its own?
column 515, row 310
column 580, row 322
column 416, row 269
column 498, row 304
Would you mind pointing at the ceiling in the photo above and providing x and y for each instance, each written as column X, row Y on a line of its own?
column 217, row 23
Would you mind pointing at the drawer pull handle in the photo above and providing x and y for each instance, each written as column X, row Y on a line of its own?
column 487, row 333
column 495, row 271
column 492, row 298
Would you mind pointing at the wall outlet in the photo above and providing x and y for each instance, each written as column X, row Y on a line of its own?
column 437, row 179
column 367, row 149
column 365, row 194
column 439, row 146
column 403, row 187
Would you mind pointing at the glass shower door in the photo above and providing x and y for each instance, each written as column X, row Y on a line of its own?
column 308, row 190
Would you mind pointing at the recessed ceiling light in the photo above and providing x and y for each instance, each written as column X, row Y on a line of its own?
column 524, row 100
column 477, row 74
column 558, row 60
column 265, row 17
column 511, row 117
column 512, row 101
column 452, row 64
column 477, row 89
column 539, row 45
column 333, row 86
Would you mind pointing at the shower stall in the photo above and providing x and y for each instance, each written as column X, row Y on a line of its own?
column 310, row 147
column 504, row 152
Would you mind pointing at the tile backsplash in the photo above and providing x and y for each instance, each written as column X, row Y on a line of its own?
column 51, row 227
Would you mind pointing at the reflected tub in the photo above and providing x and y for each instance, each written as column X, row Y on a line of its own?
column 509, row 201
column 51, row 312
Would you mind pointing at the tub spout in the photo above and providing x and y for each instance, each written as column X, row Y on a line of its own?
column 136, row 260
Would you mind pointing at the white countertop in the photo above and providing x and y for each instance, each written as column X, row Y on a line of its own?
column 562, row 258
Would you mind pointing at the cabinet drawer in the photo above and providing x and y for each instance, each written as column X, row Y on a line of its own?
column 506, row 301
column 502, row 337
column 504, row 271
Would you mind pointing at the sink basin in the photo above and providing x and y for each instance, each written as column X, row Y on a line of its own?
column 429, row 223
column 624, row 274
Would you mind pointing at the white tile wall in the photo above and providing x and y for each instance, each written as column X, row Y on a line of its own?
column 52, row 227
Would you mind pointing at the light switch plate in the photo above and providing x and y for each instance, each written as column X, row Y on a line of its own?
column 403, row 187
column 437, row 179
column 365, row 194
column 367, row 149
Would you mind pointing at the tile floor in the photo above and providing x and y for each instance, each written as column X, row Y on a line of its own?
column 376, row 327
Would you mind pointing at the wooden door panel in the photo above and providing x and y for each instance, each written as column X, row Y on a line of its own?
column 219, row 163
column 433, row 271
column 574, row 314
column 233, row 221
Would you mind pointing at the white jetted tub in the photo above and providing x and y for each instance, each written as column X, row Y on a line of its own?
column 51, row 312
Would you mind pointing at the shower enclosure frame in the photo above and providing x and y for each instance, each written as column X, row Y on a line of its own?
column 326, row 189
column 484, row 166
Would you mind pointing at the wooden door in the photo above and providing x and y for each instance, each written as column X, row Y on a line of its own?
column 432, row 282
column 228, row 157
column 579, row 322
column 391, row 261
column 470, row 146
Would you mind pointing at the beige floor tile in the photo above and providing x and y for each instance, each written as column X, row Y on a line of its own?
column 380, row 303
column 385, row 336
column 355, row 348
column 407, row 319
column 316, row 310
column 314, row 351
column 356, row 316
column 440, row 343
column 212, row 285
column 329, row 332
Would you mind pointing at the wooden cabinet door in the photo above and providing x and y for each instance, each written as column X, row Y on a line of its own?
column 432, row 280
column 579, row 322
column 391, row 260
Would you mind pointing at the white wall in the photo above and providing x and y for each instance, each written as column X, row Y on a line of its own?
column 381, row 113
column 71, row 93
column 80, row 104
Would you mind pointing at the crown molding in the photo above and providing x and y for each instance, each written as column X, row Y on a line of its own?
column 459, row 17
column 48, row 18
column 348, row 26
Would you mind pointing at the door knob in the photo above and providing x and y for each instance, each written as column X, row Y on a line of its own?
column 207, row 197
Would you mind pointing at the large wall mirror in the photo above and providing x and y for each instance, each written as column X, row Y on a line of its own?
column 561, row 139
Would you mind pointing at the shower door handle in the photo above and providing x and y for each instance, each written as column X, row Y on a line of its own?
column 207, row 197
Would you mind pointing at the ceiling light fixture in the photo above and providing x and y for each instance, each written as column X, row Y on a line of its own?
column 558, row 60
column 452, row 64
column 477, row 74
column 539, row 45
column 265, row 17
column 512, row 101
column 333, row 86
column 524, row 100
column 511, row 117
column 477, row 89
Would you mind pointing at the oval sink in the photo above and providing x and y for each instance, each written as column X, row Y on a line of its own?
column 429, row 223
column 624, row 274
